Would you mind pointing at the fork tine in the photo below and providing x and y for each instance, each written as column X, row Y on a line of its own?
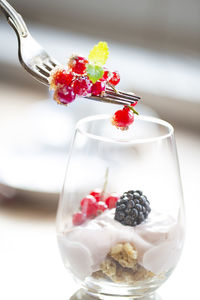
column 39, row 76
column 53, row 62
column 122, row 98
column 123, row 95
column 129, row 94
column 109, row 100
column 47, row 66
column 42, row 70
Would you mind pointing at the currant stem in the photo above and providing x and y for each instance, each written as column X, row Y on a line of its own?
column 105, row 183
column 133, row 110
column 113, row 87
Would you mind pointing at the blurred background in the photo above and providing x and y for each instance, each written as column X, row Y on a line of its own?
column 155, row 46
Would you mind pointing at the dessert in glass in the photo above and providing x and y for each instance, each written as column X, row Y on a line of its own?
column 120, row 220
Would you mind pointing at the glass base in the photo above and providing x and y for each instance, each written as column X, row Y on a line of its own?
column 107, row 290
column 84, row 294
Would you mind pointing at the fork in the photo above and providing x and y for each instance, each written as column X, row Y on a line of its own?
column 39, row 63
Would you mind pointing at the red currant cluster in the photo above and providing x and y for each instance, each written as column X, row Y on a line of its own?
column 74, row 81
column 89, row 77
column 93, row 205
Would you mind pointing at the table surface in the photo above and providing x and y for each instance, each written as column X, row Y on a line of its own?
column 30, row 263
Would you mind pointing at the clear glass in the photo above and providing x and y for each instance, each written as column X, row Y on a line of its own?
column 107, row 257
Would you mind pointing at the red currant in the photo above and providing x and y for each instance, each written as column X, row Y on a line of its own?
column 78, row 218
column 59, row 76
column 82, row 86
column 101, row 207
column 98, row 88
column 97, row 194
column 89, row 206
column 111, row 200
column 106, row 75
column 115, row 79
column 123, row 118
column 64, row 94
column 62, row 77
column 78, row 64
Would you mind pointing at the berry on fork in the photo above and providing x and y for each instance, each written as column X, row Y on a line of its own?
column 115, row 78
column 78, row 64
column 98, row 88
column 106, row 75
column 60, row 76
column 63, row 78
column 82, row 86
column 64, row 95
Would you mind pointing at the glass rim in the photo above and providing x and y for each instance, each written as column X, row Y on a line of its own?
column 130, row 140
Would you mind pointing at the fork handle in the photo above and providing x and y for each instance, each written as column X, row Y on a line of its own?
column 14, row 19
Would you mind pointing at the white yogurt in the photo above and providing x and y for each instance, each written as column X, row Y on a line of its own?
column 158, row 241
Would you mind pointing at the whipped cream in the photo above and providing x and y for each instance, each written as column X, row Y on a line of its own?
column 158, row 241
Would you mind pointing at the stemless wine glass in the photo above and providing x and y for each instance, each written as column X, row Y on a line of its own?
column 124, row 244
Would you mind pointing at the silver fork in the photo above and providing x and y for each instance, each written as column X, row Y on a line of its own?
column 39, row 63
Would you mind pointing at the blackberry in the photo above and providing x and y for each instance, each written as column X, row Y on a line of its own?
column 132, row 208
